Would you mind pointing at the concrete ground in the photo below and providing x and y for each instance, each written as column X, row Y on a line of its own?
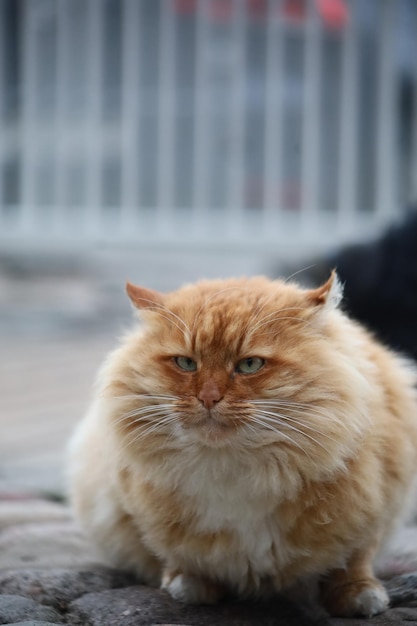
column 44, row 389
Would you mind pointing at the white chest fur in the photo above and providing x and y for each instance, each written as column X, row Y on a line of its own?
column 237, row 496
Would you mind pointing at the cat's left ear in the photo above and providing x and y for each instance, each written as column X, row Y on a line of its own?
column 329, row 295
column 143, row 298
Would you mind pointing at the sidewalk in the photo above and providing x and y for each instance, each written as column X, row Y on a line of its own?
column 44, row 390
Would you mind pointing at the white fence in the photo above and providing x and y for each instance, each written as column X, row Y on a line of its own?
column 212, row 121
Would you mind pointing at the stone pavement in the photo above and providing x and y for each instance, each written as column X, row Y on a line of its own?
column 50, row 575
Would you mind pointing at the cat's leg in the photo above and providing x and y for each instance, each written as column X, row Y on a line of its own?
column 117, row 537
column 354, row 590
column 98, row 507
column 121, row 544
column 189, row 588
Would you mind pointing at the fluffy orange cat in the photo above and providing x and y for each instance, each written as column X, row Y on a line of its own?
column 245, row 437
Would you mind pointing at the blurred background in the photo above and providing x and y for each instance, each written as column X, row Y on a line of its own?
column 168, row 140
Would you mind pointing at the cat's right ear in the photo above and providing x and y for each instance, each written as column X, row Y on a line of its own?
column 143, row 298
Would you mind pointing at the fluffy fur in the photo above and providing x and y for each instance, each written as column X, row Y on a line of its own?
column 280, row 446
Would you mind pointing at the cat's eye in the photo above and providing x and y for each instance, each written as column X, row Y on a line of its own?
column 250, row 365
column 185, row 363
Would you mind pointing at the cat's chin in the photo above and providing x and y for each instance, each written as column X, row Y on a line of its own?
column 213, row 434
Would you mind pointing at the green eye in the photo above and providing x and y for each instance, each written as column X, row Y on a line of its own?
column 250, row 365
column 185, row 363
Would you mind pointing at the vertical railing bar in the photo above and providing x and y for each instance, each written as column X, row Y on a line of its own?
column 63, row 48
column 3, row 60
column 237, row 112
column 166, row 112
column 273, row 112
column 201, row 112
column 385, row 139
column 413, row 159
column 130, row 112
column 95, row 16
column 311, row 117
column 29, row 128
column 412, row 192
column 348, row 136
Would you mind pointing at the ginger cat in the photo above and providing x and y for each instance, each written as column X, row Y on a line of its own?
column 245, row 437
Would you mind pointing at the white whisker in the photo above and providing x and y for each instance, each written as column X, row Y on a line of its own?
column 260, row 420
column 299, row 406
column 186, row 333
column 145, row 412
column 276, row 312
column 151, row 428
column 277, row 319
column 146, row 396
column 304, row 269
column 160, row 307
column 291, row 420
column 168, row 419
column 281, row 419
column 302, row 409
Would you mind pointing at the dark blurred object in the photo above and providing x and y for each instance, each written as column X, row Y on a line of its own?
column 380, row 284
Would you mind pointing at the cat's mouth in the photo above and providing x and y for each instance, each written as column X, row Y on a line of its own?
column 211, row 428
column 216, row 426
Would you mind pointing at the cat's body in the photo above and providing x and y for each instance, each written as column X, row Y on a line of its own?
column 246, row 437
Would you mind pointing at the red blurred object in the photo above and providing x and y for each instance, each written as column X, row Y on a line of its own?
column 294, row 10
column 225, row 10
column 184, row 6
column 335, row 13
column 257, row 8
column 221, row 10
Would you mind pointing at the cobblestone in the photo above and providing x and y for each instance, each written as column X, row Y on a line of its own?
column 64, row 582
column 15, row 608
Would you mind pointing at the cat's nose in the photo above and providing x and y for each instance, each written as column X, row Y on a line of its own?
column 209, row 394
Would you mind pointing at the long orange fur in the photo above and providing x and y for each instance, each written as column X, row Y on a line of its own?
column 213, row 480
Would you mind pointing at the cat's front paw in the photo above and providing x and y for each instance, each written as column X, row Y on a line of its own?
column 191, row 589
column 357, row 599
column 371, row 602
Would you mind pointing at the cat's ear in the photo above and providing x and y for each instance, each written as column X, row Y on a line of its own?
column 143, row 298
column 328, row 295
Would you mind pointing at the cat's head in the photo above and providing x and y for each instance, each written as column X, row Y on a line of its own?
column 243, row 361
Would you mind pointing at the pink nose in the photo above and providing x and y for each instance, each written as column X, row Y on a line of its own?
column 209, row 394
